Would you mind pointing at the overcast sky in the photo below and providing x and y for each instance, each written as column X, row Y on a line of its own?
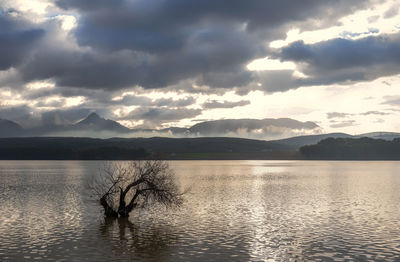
column 161, row 63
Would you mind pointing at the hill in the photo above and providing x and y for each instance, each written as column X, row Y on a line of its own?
column 137, row 148
column 299, row 141
column 353, row 149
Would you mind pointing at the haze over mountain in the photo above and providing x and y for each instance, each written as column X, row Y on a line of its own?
column 9, row 128
column 95, row 126
column 252, row 127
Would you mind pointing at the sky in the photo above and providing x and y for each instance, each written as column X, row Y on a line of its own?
column 159, row 63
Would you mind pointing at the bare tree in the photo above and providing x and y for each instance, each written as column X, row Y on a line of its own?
column 122, row 187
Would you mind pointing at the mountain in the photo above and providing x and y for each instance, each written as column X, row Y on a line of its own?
column 299, row 141
column 237, row 126
column 381, row 135
column 95, row 122
column 260, row 129
column 92, row 126
column 10, row 129
column 243, row 128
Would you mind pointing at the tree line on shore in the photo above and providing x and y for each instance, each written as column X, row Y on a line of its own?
column 352, row 149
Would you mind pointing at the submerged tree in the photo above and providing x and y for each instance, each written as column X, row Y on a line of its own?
column 122, row 187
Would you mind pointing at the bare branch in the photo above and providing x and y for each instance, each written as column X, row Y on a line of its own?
column 138, row 183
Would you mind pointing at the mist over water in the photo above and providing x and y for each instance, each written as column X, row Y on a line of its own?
column 235, row 211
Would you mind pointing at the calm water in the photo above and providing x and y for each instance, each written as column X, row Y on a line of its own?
column 235, row 211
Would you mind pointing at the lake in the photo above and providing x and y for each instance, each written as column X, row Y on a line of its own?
column 234, row 211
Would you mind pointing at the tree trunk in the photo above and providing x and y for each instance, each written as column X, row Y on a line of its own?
column 108, row 211
column 124, row 212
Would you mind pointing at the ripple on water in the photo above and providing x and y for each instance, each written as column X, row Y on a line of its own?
column 236, row 211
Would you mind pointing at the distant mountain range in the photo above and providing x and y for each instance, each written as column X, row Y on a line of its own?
column 88, row 127
column 97, row 127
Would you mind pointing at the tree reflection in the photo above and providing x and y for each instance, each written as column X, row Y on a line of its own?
column 143, row 240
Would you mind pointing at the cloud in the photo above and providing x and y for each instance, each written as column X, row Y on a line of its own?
column 392, row 11
column 63, row 117
column 87, row 5
column 17, row 39
column 343, row 60
column 29, row 117
column 374, row 113
column 169, row 102
column 338, row 115
column 340, row 124
column 331, row 115
column 276, row 81
column 151, row 18
column 201, row 46
column 156, row 44
column 379, row 121
column 130, row 100
column 159, row 44
column 392, row 100
column 225, row 104
column 15, row 112
column 154, row 117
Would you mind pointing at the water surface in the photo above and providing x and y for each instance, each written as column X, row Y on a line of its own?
column 235, row 211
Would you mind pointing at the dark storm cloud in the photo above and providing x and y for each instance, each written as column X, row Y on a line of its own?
column 344, row 53
column 206, row 53
column 340, row 60
column 79, row 69
column 152, row 19
column 87, row 5
column 17, row 39
column 225, row 104
column 164, row 42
